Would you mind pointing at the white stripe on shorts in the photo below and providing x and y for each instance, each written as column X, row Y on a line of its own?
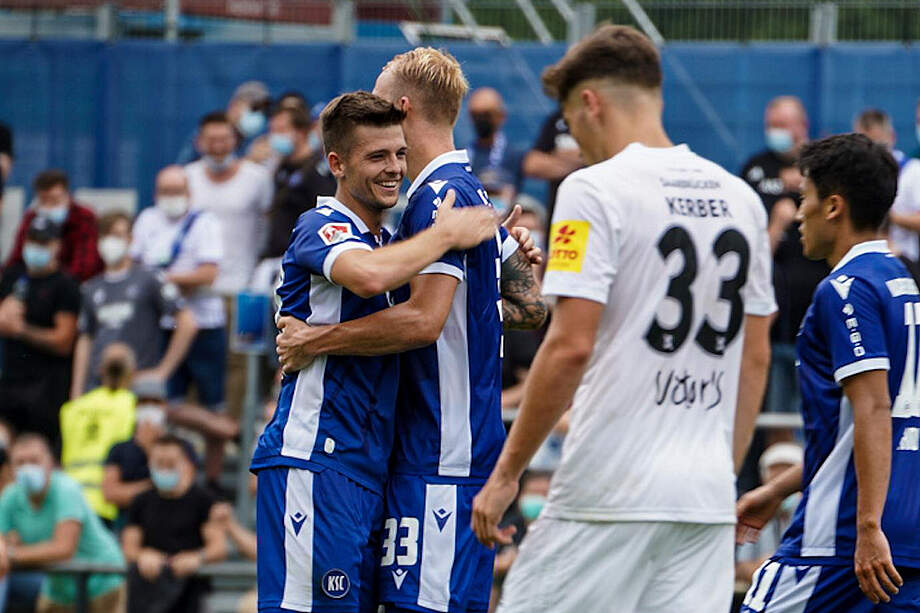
column 438, row 544
column 791, row 594
column 298, row 541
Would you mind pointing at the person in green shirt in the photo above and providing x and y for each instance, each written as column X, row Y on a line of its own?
column 44, row 519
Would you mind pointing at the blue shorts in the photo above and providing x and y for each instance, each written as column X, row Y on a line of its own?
column 786, row 588
column 318, row 542
column 206, row 367
column 431, row 560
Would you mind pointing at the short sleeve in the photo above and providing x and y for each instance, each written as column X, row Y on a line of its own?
column 758, row 294
column 205, row 240
column 86, row 324
column 70, row 503
column 584, row 242
column 168, row 298
column 421, row 214
column 851, row 315
column 115, row 455
column 139, row 234
column 134, row 512
column 546, row 140
column 6, row 510
column 68, row 296
column 318, row 241
column 907, row 199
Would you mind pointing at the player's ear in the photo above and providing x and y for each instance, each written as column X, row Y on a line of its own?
column 834, row 207
column 403, row 104
column 336, row 164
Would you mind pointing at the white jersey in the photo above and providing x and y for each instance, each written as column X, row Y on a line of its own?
column 676, row 249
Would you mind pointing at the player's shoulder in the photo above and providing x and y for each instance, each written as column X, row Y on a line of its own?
column 325, row 224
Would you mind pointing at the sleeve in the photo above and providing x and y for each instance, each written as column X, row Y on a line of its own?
column 139, row 234
column 6, row 511
column 114, row 456
column 206, row 240
column 16, row 253
column 8, row 280
column 70, row 502
column 85, row 260
column 6, row 140
column 584, row 242
column 68, row 298
column 546, row 141
column 134, row 512
column 851, row 316
column 318, row 241
column 509, row 245
column 168, row 298
column 758, row 294
column 87, row 322
column 907, row 199
column 420, row 215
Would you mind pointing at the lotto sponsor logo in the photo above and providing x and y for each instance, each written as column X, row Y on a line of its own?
column 336, row 584
column 333, row 233
column 568, row 242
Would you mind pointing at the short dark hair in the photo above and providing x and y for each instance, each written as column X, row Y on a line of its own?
column 619, row 53
column 299, row 119
column 47, row 179
column 108, row 221
column 214, row 117
column 171, row 440
column 862, row 172
column 344, row 113
column 32, row 437
column 871, row 118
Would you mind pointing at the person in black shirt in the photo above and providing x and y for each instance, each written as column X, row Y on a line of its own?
column 554, row 156
column 6, row 155
column 302, row 175
column 38, row 322
column 169, row 534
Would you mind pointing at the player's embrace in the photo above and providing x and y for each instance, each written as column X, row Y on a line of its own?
column 322, row 460
column 857, row 354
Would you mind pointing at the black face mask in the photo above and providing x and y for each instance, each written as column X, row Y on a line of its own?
column 483, row 126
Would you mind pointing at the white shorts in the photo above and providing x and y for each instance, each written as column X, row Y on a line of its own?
column 621, row 567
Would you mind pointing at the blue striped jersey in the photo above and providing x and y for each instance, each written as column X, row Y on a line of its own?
column 338, row 412
column 864, row 316
column 448, row 415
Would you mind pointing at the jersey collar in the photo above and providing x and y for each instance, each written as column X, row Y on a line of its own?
column 458, row 156
column 332, row 203
column 879, row 246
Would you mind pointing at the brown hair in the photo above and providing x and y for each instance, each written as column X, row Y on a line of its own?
column 435, row 80
column 47, row 179
column 298, row 118
column 344, row 113
column 619, row 53
column 108, row 221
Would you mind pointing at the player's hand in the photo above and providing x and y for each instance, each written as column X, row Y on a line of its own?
column 150, row 564
column 874, row 567
column 185, row 563
column 465, row 227
column 292, row 344
column 522, row 236
column 488, row 507
column 754, row 510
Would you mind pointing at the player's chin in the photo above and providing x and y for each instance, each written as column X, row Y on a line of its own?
column 386, row 194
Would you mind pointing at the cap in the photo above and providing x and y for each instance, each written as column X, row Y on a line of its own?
column 42, row 229
column 150, row 388
column 781, row 453
column 253, row 92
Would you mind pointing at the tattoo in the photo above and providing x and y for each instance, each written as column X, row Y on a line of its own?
column 523, row 307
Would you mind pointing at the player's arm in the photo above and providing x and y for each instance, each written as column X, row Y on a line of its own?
column 523, row 306
column 371, row 272
column 755, row 363
column 758, row 506
column 554, row 376
column 415, row 323
column 868, row 395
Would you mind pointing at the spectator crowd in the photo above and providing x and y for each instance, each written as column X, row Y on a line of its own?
column 121, row 391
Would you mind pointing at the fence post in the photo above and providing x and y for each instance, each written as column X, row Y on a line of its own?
column 823, row 24
column 343, row 20
column 583, row 24
column 105, row 21
column 171, row 11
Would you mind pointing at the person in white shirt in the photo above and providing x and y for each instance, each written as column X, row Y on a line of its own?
column 186, row 246
column 238, row 193
column 661, row 268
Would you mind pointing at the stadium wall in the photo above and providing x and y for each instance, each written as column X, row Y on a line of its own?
column 113, row 113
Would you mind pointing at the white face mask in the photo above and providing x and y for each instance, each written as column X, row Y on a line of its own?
column 150, row 413
column 112, row 249
column 173, row 206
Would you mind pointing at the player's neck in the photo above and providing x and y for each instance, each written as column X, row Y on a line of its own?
column 847, row 241
column 372, row 218
column 426, row 144
column 645, row 130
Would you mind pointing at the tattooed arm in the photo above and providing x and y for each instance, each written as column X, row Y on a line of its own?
column 523, row 307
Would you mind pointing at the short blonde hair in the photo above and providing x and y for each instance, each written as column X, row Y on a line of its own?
column 435, row 80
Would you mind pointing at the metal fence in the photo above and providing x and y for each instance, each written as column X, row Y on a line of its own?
column 534, row 20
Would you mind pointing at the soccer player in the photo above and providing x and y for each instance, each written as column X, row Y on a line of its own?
column 449, row 321
column 660, row 265
column 857, row 355
column 321, row 462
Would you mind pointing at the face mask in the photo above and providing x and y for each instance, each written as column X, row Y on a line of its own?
column 36, row 257
column 57, row 214
column 31, row 477
column 531, row 505
column 483, row 126
column 316, row 143
column 173, row 206
column 164, row 480
column 282, row 143
column 779, row 140
column 112, row 249
column 219, row 166
column 149, row 413
column 251, row 123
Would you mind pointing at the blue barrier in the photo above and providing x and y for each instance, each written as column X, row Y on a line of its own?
column 112, row 114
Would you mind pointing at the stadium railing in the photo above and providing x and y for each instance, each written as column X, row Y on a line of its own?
column 765, row 421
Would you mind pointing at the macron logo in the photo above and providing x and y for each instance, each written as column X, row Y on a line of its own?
column 437, row 186
column 297, row 520
column 399, row 575
column 441, row 516
column 842, row 285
